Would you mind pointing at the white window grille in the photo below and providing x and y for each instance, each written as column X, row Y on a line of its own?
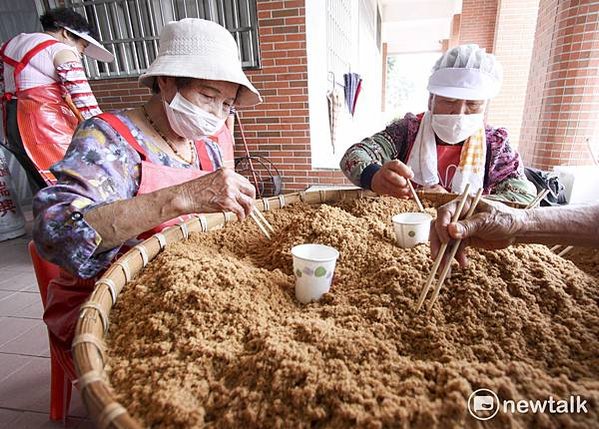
column 130, row 29
column 339, row 37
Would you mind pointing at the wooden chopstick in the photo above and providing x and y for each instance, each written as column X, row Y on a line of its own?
column 566, row 250
column 561, row 252
column 264, row 221
column 258, row 222
column 538, row 199
column 452, row 253
column 431, row 276
column 415, row 195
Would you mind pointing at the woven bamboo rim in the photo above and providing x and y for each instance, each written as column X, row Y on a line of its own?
column 88, row 345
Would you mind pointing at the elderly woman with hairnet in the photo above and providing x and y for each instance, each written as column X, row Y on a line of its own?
column 448, row 146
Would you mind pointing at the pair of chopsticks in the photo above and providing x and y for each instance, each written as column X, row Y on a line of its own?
column 534, row 203
column 561, row 252
column 264, row 226
column 442, row 253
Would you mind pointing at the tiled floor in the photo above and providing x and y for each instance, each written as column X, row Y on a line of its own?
column 24, row 354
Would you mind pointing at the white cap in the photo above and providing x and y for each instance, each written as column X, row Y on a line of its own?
column 200, row 49
column 466, row 72
column 94, row 49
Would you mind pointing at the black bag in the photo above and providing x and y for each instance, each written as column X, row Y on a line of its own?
column 547, row 180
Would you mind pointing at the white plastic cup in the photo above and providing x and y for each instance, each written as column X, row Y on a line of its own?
column 313, row 266
column 411, row 228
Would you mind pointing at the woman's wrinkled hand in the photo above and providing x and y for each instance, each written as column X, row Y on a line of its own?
column 392, row 179
column 493, row 226
column 220, row 191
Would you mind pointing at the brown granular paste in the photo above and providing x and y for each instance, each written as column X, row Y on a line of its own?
column 210, row 334
column 586, row 259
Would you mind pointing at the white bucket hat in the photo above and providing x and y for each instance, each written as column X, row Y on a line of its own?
column 466, row 72
column 95, row 49
column 200, row 49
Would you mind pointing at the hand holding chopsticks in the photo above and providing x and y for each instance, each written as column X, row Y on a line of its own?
column 442, row 253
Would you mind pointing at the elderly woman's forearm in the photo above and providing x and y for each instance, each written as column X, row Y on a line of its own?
column 570, row 225
column 371, row 152
column 123, row 220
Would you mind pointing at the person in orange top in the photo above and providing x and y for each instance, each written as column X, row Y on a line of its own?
column 45, row 92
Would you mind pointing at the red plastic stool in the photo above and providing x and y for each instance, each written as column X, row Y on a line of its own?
column 62, row 371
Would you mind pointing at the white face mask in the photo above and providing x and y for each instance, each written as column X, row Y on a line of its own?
column 190, row 121
column 453, row 129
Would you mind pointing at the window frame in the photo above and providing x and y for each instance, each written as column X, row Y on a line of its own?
column 146, row 19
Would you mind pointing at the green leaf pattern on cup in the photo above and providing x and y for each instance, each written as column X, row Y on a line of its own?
column 319, row 272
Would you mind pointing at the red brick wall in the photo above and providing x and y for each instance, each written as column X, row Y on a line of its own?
column 477, row 22
column 278, row 128
column 514, row 41
column 562, row 100
column 119, row 93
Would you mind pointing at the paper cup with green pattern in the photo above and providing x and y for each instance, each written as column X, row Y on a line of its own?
column 411, row 228
column 313, row 266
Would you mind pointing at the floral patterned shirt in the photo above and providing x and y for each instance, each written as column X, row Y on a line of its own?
column 99, row 167
column 504, row 172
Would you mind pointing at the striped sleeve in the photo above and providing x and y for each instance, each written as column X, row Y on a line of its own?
column 72, row 77
column 363, row 159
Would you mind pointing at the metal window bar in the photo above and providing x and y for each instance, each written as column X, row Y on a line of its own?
column 130, row 29
column 338, row 31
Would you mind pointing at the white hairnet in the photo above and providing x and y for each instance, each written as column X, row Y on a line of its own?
column 466, row 72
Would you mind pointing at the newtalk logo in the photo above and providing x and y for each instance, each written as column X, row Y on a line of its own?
column 483, row 404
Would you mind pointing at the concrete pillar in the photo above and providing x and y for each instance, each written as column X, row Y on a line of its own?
column 561, row 113
column 477, row 22
column 514, row 40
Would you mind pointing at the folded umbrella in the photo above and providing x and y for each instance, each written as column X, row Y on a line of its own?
column 352, row 85
column 358, row 90
column 335, row 101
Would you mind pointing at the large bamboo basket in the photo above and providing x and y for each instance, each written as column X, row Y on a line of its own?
column 88, row 345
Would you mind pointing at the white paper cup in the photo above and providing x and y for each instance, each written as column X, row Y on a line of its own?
column 411, row 228
column 313, row 266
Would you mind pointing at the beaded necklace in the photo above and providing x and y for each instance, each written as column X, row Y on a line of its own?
column 173, row 148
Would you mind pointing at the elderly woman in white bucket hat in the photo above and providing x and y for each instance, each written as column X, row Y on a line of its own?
column 448, row 146
column 130, row 173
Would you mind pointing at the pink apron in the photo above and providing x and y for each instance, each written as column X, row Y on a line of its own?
column 46, row 121
column 67, row 292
